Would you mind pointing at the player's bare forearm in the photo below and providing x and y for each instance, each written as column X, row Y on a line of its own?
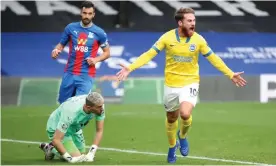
column 218, row 63
column 59, row 146
column 99, row 132
column 59, row 46
column 143, row 59
column 105, row 55
column 98, row 138
column 58, row 136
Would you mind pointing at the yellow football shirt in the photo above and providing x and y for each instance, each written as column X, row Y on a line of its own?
column 182, row 55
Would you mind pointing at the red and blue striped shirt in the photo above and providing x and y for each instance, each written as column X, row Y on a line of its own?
column 83, row 43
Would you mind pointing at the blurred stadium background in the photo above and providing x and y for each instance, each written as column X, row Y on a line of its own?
column 242, row 33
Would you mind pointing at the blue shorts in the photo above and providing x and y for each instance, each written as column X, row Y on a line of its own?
column 74, row 85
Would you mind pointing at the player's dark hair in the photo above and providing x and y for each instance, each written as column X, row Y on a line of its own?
column 87, row 4
column 179, row 14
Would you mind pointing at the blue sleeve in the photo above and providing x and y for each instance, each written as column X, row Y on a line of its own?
column 103, row 40
column 65, row 35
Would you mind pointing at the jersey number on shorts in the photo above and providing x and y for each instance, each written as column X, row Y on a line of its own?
column 193, row 92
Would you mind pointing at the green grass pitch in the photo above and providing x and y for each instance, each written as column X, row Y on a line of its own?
column 230, row 131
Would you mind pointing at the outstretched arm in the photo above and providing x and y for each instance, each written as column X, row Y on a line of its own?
column 218, row 63
column 142, row 59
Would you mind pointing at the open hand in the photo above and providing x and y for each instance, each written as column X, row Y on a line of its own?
column 238, row 80
column 123, row 73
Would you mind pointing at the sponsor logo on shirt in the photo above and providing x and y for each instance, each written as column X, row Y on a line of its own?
column 178, row 58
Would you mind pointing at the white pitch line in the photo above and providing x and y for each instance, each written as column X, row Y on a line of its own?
column 149, row 153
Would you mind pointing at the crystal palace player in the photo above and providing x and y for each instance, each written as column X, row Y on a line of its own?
column 183, row 47
column 84, row 39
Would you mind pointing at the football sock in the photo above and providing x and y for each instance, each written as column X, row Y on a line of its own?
column 184, row 127
column 171, row 132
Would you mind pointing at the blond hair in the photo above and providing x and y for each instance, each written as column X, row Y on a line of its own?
column 94, row 98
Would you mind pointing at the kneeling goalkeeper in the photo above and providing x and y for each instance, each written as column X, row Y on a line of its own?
column 66, row 120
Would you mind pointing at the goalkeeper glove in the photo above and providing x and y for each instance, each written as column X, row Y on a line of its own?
column 91, row 154
column 71, row 159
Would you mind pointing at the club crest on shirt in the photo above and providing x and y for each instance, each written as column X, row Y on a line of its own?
column 90, row 35
column 192, row 47
column 64, row 126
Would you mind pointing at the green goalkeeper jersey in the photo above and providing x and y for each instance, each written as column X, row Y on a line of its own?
column 69, row 117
